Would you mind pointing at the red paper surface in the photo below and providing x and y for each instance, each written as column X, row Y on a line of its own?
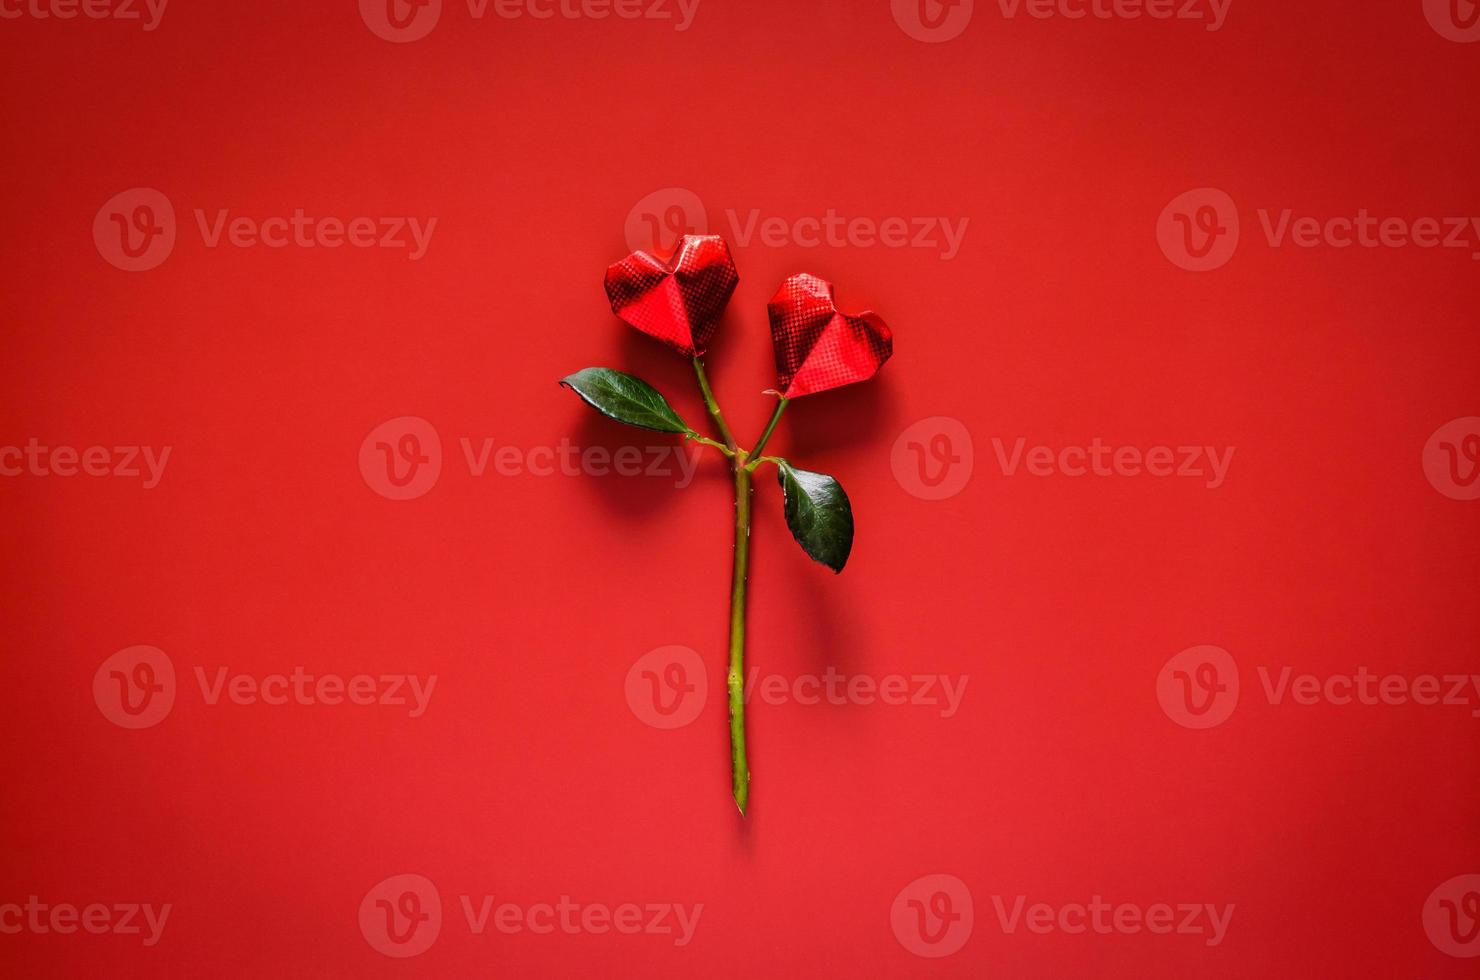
column 373, row 472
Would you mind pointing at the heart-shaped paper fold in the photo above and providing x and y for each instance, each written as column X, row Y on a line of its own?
column 817, row 347
column 678, row 301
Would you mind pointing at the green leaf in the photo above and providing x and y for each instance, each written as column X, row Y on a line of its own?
column 625, row 398
column 818, row 513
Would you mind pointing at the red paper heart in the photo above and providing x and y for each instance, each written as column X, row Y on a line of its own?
column 679, row 301
column 817, row 347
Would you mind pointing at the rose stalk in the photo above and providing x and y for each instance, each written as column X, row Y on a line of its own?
column 817, row 348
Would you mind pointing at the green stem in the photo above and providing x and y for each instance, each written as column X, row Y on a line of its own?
column 755, row 454
column 735, row 680
column 701, row 440
column 739, row 768
column 743, row 465
column 712, row 405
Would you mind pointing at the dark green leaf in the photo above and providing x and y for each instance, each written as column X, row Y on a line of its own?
column 626, row 399
column 818, row 513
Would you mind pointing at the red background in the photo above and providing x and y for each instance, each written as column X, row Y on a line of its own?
column 529, row 777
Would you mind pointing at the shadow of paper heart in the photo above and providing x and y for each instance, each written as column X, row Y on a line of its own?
column 854, row 415
column 812, row 432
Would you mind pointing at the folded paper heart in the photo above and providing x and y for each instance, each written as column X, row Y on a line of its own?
column 817, row 347
column 678, row 301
